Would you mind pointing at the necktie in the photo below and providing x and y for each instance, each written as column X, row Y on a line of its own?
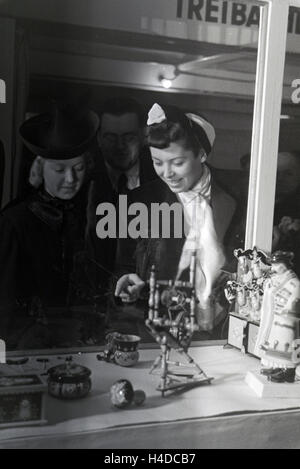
column 122, row 184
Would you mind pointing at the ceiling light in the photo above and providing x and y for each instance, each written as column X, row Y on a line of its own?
column 167, row 82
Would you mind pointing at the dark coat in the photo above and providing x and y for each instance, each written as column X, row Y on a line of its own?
column 41, row 245
column 104, row 190
column 39, row 237
column 104, row 250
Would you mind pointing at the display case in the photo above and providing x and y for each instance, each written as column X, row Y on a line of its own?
column 198, row 59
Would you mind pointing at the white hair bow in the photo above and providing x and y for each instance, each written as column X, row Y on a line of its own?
column 156, row 115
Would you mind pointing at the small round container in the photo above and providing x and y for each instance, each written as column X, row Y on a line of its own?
column 126, row 349
column 69, row 381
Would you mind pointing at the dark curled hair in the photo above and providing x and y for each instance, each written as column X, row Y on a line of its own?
column 177, row 127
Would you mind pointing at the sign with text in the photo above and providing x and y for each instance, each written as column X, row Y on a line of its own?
column 216, row 21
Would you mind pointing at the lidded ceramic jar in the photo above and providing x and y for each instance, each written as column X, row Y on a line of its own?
column 69, row 381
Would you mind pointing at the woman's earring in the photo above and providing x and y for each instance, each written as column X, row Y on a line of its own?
column 203, row 157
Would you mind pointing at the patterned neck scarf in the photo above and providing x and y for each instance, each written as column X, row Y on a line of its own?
column 203, row 240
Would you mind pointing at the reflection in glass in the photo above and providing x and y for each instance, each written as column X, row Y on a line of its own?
column 286, row 231
column 213, row 78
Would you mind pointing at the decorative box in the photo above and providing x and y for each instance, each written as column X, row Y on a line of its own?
column 242, row 333
column 22, row 400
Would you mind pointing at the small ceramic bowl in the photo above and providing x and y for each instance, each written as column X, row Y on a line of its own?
column 124, row 348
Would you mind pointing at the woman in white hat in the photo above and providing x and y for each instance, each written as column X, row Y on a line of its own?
column 180, row 144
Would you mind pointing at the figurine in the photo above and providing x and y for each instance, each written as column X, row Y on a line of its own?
column 258, row 262
column 276, row 343
column 25, row 411
column 243, row 270
column 246, row 290
column 241, row 299
column 255, row 299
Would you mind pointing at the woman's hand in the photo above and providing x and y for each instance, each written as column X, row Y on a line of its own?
column 129, row 287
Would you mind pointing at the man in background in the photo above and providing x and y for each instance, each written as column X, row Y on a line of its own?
column 122, row 163
column 122, row 160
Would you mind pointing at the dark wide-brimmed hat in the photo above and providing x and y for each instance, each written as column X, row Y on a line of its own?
column 60, row 134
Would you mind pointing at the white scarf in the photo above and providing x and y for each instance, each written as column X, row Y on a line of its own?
column 203, row 239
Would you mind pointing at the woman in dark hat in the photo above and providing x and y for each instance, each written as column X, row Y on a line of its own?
column 180, row 144
column 42, row 236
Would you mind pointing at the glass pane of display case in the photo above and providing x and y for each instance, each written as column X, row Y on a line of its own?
column 197, row 56
column 267, row 291
column 286, row 232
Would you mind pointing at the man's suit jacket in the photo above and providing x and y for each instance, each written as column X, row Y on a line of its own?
column 104, row 191
column 103, row 250
column 139, row 255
